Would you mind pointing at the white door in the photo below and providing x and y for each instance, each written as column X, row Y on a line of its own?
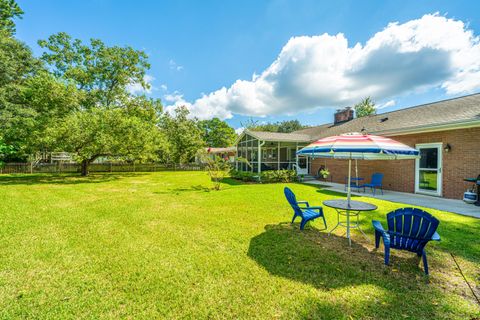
column 428, row 169
column 302, row 165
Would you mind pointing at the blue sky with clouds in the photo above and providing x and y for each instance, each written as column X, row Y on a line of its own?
column 276, row 60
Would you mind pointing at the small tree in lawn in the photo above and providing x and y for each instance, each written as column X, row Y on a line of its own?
column 217, row 168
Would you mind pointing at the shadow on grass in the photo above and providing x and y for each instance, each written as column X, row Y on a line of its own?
column 233, row 182
column 67, row 178
column 323, row 261
column 328, row 263
column 185, row 189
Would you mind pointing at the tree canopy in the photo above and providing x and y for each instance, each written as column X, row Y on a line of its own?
column 184, row 137
column 17, row 66
column 365, row 107
column 217, row 133
column 101, row 72
column 285, row 126
column 110, row 120
column 9, row 10
column 96, row 132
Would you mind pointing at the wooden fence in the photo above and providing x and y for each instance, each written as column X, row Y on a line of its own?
column 10, row 168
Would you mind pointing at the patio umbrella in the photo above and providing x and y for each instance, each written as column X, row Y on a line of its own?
column 358, row 146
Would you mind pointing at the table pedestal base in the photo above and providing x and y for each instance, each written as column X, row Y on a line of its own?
column 347, row 223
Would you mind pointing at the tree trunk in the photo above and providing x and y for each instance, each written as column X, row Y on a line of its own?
column 85, row 168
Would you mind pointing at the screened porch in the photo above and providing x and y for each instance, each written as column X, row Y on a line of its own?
column 269, row 153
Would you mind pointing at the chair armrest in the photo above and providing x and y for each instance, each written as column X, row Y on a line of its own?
column 315, row 208
column 436, row 237
column 303, row 202
column 378, row 226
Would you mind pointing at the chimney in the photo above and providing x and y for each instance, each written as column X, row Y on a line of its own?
column 343, row 115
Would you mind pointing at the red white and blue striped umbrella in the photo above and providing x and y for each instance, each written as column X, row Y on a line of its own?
column 352, row 146
column 359, row 146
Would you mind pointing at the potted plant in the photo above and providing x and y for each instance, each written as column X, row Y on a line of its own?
column 324, row 173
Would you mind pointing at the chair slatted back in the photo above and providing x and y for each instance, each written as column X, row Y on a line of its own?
column 377, row 179
column 410, row 228
column 293, row 201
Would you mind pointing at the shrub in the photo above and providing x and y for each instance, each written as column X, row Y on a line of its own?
column 244, row 175
column 271, row 176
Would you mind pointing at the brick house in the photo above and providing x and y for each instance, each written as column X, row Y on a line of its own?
column 447, row 133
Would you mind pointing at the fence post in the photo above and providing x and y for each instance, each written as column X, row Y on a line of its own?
column 31, row 167
column 110, row 167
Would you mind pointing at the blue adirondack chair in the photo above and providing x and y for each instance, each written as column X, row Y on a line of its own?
column 408, row 229
column 376, row 182
column 307, row 213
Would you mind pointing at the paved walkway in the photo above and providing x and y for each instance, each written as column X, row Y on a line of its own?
column 450, row 205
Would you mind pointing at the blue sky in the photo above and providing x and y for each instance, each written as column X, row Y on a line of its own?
column 198, row 47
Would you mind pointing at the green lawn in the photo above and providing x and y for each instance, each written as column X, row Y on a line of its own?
column 161, row 245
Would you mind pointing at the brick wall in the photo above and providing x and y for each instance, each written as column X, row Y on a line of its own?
column 462, row 161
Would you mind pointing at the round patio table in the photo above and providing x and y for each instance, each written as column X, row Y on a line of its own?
column 353, row 210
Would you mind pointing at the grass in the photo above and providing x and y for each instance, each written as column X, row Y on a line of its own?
column 428, row 180
column 162, row 245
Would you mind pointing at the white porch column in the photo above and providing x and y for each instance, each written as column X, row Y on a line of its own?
column 259, row 157
column 236, row 157
column 296, row 155
column 259, row 160
column 278, row 156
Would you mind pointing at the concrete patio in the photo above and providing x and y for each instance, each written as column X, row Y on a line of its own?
column 450, row 205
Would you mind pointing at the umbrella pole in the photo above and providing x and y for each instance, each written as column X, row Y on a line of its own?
column 356, row 170
column 349, row 178
column 348, row 200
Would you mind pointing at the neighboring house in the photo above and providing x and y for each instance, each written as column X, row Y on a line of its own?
column 225, row 153
column 447, row 133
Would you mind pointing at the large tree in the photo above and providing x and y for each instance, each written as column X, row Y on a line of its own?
column 17, row 66
column 365, row 107
column 89, row 134
column 184, row 138
column 101, row 72
column 217, row 133
column 110, row 121
column 46, row 100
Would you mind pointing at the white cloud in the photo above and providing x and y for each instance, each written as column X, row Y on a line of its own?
column 174, row 66
column 389, row 103
column 239, row 130
column 136, row 88
column 173, row 97
column 200, row 109
column 324, row 71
